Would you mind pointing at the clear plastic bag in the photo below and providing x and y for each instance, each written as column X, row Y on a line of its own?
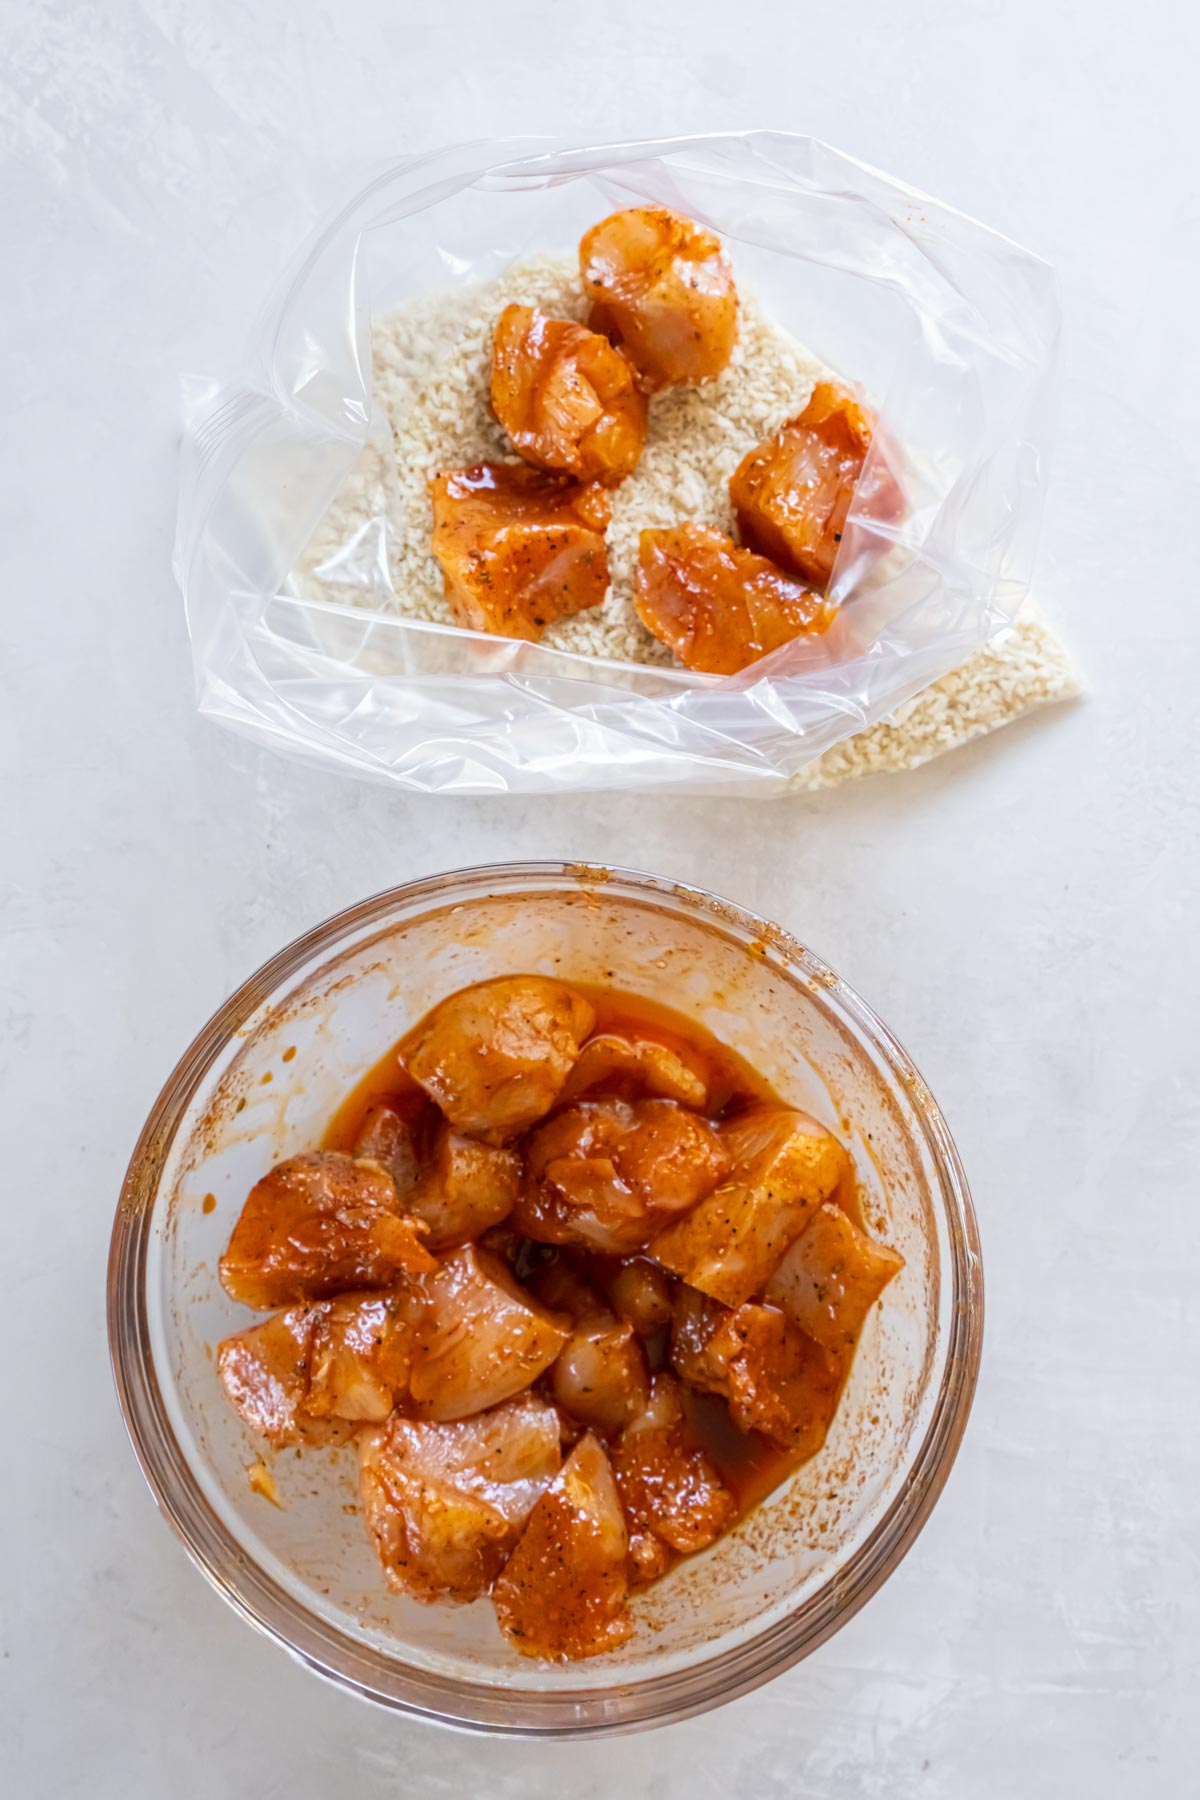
column 950, row 328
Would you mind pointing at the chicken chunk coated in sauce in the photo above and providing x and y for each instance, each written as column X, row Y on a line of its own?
column 776, row 1379
column 316, row 1225
column 564, row 1588
column 661, row 288
column 264, row 1371
column 337, row 1361
column 445, row 1503
column 384, row 1137
column 495, row 1057
column 671, row 1492
column 600, row 1377
column 518, row 548
column 482, row 1337
column 465, row 1188
column 630, row 1067
column 831, row 1277
column 718, row 607
column 362, row 1354
column 784, row 1164
column 608, row 1174
column 568, row 400
column 792, row 493
column 640, row 1291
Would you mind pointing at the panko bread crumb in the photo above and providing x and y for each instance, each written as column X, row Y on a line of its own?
column 432, row 369
column 1023, row 668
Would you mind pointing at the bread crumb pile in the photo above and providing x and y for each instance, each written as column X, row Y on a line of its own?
column 1024, row 668
column 432, row 376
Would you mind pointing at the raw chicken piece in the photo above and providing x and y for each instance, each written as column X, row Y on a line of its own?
column 318, row 1224
column 265, row 1370
column 600, row 1376
column 642, row 1292
column 445, row 1503
column 384, row 1137
column 362, row 1355
column 662, row 290
column 669, row 1489
column 718, row 607
column 518, row 548
column 632, row 1067
column 296, row 1373
column 481, row 1338
column 698, row 1353
column 784, row 1165
column 574, row 1193
column 466, row 1189
column 566, row 398
column 775, row 1378
column 563, row 1591
column 791, row 495
column 831, row 1277
column 495, row 1056
column 606, row 1173
column 781, row 1382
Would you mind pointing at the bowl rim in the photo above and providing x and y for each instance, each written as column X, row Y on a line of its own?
column 451, row 1700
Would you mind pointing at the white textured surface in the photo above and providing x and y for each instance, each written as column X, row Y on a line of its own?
column 1023, row 914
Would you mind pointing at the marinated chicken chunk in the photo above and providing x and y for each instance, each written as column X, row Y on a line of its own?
column 384, row 1137
column 831, row 1277
column 671, row 1492
column 265, row 1373
column 518, row 548
column 718, row 607
column 316, row 1225
column 792, row 494
column 482, row 1337
column 700, row 1355
column 567, row 399
column 332, row 1360
column 607, row 1174
column 362, row 1355
column 564, row 1588
column 600, row 1377
column 465, row 1189
column 629, row 1067
column 784, row 1165
column 444, row 1503
column 662, row 290
column 495, row 1057
column 776, row 1379
column 781, row 1382
column 639, row 1290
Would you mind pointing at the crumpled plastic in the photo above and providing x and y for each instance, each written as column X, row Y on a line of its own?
column 950, row 328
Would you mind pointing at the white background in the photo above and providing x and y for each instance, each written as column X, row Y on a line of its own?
column 1023, row 915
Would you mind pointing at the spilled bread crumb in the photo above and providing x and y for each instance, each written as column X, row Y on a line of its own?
column 1024, row 668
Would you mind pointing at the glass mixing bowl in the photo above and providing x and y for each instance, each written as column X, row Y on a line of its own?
column 261, row 1082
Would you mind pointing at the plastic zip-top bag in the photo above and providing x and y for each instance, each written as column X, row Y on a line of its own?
column 313, row 601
